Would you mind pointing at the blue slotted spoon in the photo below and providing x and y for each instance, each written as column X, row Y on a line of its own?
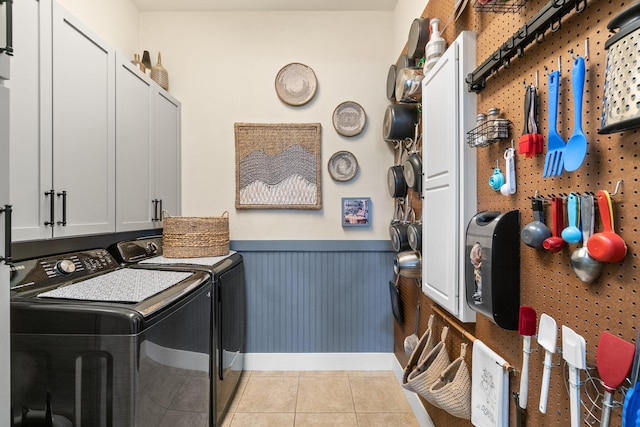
column 576, row 149
column 553, row 162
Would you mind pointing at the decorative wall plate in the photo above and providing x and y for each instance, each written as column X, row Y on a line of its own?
column 349, row 118
column 296, row 84
column 343, row 166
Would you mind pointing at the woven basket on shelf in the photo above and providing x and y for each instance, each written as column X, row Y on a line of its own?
column 193, row 237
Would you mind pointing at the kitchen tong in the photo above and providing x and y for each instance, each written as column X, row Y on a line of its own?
column 530, row 143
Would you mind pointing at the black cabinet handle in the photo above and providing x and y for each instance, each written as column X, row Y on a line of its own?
column 8, row 49
column 155, row 210
column 64, row 208
column 160, row 217
column 7, row 210
column 51, row 221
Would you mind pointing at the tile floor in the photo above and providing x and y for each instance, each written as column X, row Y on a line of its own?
column 319, row 398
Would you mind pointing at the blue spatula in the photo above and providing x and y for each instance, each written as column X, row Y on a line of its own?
column 553, row 161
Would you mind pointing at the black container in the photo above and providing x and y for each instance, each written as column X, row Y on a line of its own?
column 492, row 266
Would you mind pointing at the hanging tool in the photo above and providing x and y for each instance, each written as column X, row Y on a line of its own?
column 530, row 142
column 575, row 354
column 533, row 121
column 553, row 162
column 547, row 338
column 509, row 186
column 576, row 149
column 614, row 358
column 526, row 328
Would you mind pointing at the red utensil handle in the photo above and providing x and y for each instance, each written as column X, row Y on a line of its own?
column 605, row 213
column 558, row 216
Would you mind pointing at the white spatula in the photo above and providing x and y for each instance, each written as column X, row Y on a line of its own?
column 547, row 338
column 575, row 354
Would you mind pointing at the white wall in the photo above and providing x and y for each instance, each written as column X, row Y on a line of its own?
column 116, row 21
column 406, row 11
column 222, row 67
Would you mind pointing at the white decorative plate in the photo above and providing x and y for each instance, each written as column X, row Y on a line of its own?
column 296, row 84
column 343, row 166
column 349, row 118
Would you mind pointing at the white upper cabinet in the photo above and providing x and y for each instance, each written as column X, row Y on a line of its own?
column 65, row 121
column 148, row 150
column 83, row 128
column 30, row 123
column 134, row 180
column 449, row 175
column 166, row 137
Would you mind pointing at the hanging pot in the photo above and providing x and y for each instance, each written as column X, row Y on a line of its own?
column 414, row 235
column 404, row 61
column 412, row 170
column 409, row 85
column 418, row 38
column 398, row 231
column 408, row 264
column 620, row 109
column 391, row 82
column 399, row 122
column 396, row 184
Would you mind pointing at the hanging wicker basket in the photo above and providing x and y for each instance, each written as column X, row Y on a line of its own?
column 193, row 237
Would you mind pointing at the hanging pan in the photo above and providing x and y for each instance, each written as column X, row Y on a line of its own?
column 412, row 167
column 396, row 184
column 399, row 122
column 418, row 38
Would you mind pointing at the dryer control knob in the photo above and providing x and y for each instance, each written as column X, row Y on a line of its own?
column 152, row 248
column 65, row 266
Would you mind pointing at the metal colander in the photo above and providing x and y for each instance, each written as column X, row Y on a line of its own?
column 621, row 103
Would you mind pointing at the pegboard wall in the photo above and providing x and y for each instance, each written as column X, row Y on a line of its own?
column 547, row 281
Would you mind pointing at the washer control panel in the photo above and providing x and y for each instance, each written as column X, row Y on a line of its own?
column 45, row 272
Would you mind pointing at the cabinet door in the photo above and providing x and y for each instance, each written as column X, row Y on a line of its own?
column 5, row 367
column 30, row 119
column 134, row 180
column 441, row 209
column 166, row 137
column 450, row 176
column 83, row 128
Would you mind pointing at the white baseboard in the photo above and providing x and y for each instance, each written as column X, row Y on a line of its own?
column 414, row 401
column 318, row 361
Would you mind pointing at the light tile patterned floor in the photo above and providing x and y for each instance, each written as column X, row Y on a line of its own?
column 326, row 398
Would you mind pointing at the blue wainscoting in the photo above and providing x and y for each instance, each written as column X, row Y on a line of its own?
column 318, row 296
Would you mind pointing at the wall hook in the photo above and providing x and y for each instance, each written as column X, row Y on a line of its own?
column 586, row 48
column 618, row 184
column 560, row 64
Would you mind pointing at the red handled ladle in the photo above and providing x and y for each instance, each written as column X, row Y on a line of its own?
column 555, row 243
column 606, row 246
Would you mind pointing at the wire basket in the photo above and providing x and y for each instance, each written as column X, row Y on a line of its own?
column 488, row 133
column 498, row 6
column 592, row 393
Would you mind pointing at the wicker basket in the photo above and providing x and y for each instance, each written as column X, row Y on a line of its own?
column 192, row 237
column 430, row 365
column 452, row 390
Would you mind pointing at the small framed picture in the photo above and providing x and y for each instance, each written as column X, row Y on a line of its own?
column 356, row 211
